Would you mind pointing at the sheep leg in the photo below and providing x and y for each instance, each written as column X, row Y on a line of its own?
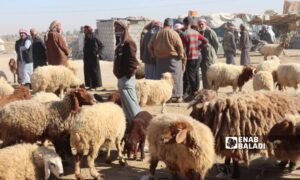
column 91, row 160
column 153, row 165
column 122, row 161
column 163, row 108
column 236, row 170
column 142, row 146
column 61, row 92
column 108, row 159
column 78, row 175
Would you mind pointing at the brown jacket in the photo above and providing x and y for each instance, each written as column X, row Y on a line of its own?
column 166, row 44
column 57, row 50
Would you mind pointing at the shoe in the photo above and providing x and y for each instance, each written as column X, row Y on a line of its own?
column 179, row 100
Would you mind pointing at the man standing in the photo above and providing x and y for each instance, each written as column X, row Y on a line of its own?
column 167, row 48
column 150, row 64
column 57, row 50
column 193, row 42
column 245, row 45
column 264, row 35
column 125, row 66
column 229, row 45
column 91, row 50
column 38, row 50
column 209, row 53
column 24, row 51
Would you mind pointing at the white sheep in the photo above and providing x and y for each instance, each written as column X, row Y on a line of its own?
column 50, row 78
column 45, row 97
column 263, row 80
column 154, row 92
column 5, row 88
column 94, row 126
column 29, row 161
column 182, row 143
column 288, row 75
column 73, row 66
column 272, row 49
column 31, row 120
column 222, row 75
column 270, row 66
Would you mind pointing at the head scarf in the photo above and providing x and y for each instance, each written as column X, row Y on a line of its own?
column 126, row 36
column 202, row 21
column 54, row 24
column 156, row 23
column 22, row 30
column 89, row 29
column 178, row 26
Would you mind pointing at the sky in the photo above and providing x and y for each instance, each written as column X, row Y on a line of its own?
column 16, row 14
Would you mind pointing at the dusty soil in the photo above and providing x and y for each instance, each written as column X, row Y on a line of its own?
column 259, row 168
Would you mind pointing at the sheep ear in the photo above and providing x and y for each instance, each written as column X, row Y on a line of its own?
column 47, row 170
column 75, row 102
column 181, row 136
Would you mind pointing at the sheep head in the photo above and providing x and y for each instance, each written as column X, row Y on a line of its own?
column 80, row 97
column 246, row 75
column 282, row 131
column 203, row 95
column 54, row 165
column 168, row 76
column 176, row 133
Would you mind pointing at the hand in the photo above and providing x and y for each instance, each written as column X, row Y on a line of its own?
column 183, row 68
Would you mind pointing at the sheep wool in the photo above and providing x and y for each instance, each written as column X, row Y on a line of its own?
column 263, row 80
column 195, row 153
column 270, row 66
column 244, row 114
column 27, row 161
column 50, row 78
column 5, row 88
column 222, row 75
column 45, row 97
column 288, row 75
column 93, row 126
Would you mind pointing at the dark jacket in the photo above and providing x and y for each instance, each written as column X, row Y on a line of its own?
column 26, row 54
column 91, row 50
column 57, row 50
column 38, row 52
column 125, row 60
column 245, row 40
column 146, row 56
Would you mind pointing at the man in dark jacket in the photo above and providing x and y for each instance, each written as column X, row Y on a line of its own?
column 264, row 35
column 91, row 50
column 38, row 50
column 124, row 69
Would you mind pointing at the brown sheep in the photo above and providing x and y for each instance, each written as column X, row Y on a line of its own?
column 185, row 145
column 286, row 139
column 114, row 97
column 136, row 134
column 13, row 67
column 20, row 93
column 243, row 114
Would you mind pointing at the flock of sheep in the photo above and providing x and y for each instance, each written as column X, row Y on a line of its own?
column 76, row 125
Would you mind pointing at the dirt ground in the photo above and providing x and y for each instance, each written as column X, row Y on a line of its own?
column 260, row 168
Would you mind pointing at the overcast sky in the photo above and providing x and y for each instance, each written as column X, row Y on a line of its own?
column 17, row 14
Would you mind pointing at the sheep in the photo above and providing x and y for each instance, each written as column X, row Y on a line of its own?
column 5, row 88
column 288, row 75
column 140, row 72
column 153, row 92
column 272, row 49
column 93, row 126
column 270, row 66
column 50, row 78
column 13, row 67
column 45, row 97
column 20, row 93
column 243, row 114
column 182, row 143
column 31, row 120
column 136, row 135
column 286, row 133
column 29, row 161
column 263, row 80
column 114, row 97
column 221, row 75
column 72, row 66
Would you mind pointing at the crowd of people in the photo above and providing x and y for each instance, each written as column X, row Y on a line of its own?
column 34, row 51
column 182, row 49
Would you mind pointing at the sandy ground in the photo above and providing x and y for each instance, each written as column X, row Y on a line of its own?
column 259, row 168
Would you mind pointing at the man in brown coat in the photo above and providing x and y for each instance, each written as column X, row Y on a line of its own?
column 57, row 50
